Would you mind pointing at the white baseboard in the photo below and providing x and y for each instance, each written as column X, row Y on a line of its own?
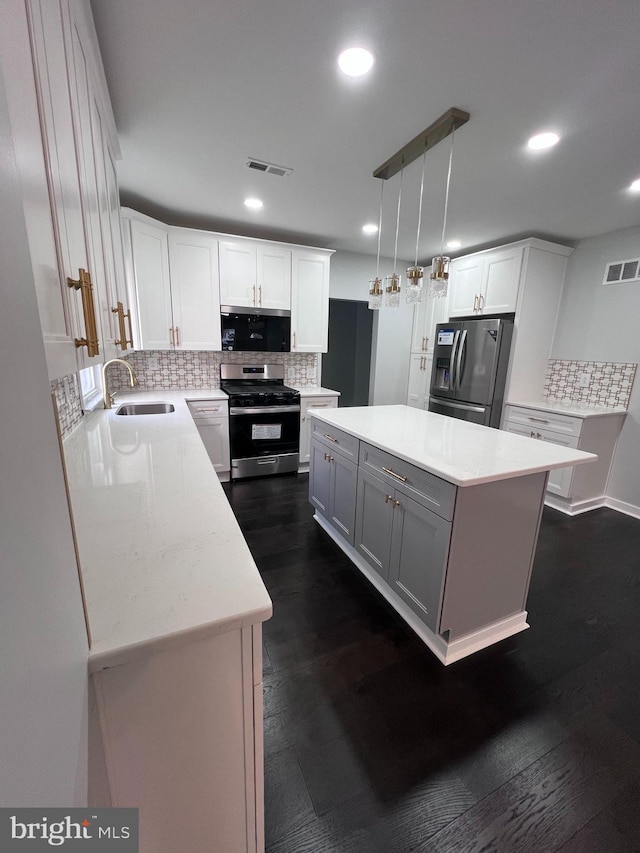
column 568, row 508
column 446, row 651
column 623, row 506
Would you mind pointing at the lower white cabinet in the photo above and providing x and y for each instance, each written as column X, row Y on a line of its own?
column 571, row 489
column 183, row 728
column 419, row 380
column 212, row 419
column 332, row 486
column 307, row 404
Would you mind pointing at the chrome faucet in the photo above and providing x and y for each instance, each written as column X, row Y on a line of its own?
column 106, row 395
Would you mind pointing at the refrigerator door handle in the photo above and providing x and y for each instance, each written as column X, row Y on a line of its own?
column 467, row 407
column 463, row 341
column 452, row 362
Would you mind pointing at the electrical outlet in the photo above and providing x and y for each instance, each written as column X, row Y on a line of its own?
column 311, row 373
column 584, row 380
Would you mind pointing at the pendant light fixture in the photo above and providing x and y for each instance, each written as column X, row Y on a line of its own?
column 439, row 284
column 416, row 273
column 375, row 284
column 392, row 290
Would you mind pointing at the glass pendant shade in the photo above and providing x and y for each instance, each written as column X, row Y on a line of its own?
column 414, row 284
column 439, row 276
column 392, row 291
column 375, row 293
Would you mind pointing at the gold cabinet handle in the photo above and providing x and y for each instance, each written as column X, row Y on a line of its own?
column 330, row 437
column 538, row 420
column 128, row 318
column 84, row 285
column 475, row 303
column 423, row 343
column 294, row 341
column 387, row 498
column 400, row 477
column 254, row 294
column 481, row 302
column 328, row 458
column 177, row 336
column 260, row 295
column 538, row 435
column 173, row 343
column 119, row 310
column 396, row 503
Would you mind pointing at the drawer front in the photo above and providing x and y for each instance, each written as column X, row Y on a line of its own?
column 531, row 431
column 343, row 443
column 428, row 490
column 208, row 408
column 539, row 420
column 317, row 403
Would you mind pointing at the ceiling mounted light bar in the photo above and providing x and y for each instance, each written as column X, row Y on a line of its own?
column 436, row 132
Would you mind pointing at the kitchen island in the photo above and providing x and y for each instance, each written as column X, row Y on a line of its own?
column 442, row 516
column 175, row 606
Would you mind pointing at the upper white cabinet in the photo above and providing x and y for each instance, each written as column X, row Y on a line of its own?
column 66, row 143
column 174, row 279
column 255, row 274
column 310, row 300
column 486, row 283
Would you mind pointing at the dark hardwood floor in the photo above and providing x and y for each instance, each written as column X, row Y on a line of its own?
column 372, row 745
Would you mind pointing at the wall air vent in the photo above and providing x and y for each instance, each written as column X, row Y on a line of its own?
column 620, row 272
column 269, row 168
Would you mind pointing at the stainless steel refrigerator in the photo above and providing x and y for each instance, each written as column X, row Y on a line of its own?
column 469, row 372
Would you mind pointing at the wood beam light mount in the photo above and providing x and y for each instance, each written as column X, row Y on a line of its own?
column 436, row 132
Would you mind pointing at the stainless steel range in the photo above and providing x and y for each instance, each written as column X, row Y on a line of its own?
column 264, row 420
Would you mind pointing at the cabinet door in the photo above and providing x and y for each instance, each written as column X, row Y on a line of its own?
column 419, row 341
column 559, row 482
column 465, row 286
column 342, row 499
column 273, row 277
column 419, row 551
column 306, row 405
column 193, row 264
column 309, row 301
column 150, row 250
column 501, row 278
column 238, row 265
column 118, row 248
column 320, row 478
column 215, row 436
column 419, row 376
column 374, row 519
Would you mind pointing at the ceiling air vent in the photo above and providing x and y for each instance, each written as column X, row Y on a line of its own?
column 269, row 168
column 619, row 272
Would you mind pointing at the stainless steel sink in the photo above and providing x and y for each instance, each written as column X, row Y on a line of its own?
column 145, row 409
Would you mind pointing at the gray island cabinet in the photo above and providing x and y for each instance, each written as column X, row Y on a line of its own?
column 441, row 516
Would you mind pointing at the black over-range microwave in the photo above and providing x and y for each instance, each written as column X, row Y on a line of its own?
column 255, row 329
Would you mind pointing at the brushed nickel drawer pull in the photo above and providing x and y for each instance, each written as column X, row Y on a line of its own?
column 393, row 474
column 330, row 437
column 538, row 420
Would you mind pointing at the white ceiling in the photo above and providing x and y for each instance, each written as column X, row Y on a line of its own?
column 200, row 86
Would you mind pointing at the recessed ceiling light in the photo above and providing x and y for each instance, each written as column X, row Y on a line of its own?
column 635, row 186
column 370, row 228
column 454, row 244
column 355, row 61
column 253, row 203
column 542, row 141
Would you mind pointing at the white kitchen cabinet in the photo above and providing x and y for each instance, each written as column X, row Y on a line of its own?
column 487, row 283
column 426, row 315
column 174, row 276
column 571, row 490
column 310, row 300
column 255, row 274
column 419, row 380
column 307, row 405
column 195, row 301
column 212, row 419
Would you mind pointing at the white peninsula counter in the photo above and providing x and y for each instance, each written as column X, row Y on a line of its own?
column 175, row 607
column 442, row 516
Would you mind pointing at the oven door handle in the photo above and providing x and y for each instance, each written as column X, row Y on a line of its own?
column 264, row 410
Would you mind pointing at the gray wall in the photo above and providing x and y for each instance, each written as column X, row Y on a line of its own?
column 43, row 642
column 350, row 274
column 602, row 323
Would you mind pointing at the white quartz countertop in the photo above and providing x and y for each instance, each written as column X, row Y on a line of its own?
column 576, row 410
column 462, row 453
column 315, row 391
column 163, row 559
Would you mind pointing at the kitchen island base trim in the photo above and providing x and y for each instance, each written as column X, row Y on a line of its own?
column 446, row 652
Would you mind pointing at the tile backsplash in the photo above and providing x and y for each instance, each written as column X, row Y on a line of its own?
column 198, row 369
column 597, row 383
column 68, row 402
